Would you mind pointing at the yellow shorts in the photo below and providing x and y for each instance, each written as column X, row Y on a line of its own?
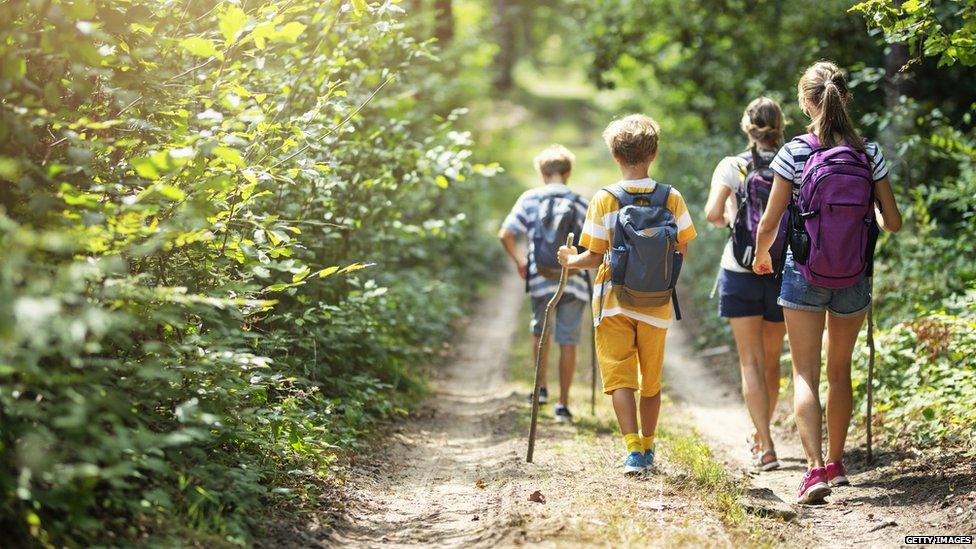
column 625, row 346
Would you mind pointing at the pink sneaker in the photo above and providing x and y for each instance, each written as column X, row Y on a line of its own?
column 836, row 475
column 814, row 486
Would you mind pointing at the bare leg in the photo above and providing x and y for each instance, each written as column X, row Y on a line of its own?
column 749, row 343
column 805, row 329
column 544, row 365
column 567, row 366
column 626, row 409
column 841, row 338
column 650, row 410
column 773, row 334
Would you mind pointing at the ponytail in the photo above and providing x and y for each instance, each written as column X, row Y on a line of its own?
column 824, row 85
column 763, row 122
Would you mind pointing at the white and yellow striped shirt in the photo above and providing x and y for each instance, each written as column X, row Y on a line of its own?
column 601, row 218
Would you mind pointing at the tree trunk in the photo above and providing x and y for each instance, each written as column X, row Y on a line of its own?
column 896, row 84
column 505, row 60
column 444, row 21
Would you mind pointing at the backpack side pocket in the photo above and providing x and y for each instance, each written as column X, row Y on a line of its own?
column 618, row 264
column 798, row 237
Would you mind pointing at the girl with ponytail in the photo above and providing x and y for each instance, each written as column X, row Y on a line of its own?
column 739, row 186
column 837, row 186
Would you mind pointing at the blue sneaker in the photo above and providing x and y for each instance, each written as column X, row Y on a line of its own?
column 634, row 464
column 649, row 459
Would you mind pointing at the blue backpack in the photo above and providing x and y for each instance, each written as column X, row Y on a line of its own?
column 557, row 218
column 644, row 261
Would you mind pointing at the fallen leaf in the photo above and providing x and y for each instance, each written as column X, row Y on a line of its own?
column 537, row 497
column 480, row 484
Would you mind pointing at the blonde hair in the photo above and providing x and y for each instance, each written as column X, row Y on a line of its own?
column 824, row 85
column 763, row 122
column 633, row 139
column 554, row 160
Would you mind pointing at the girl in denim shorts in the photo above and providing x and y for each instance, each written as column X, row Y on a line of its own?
column 808, row 307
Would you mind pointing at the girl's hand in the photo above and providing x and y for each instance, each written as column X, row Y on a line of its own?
column 564, row 253
column 762, row 264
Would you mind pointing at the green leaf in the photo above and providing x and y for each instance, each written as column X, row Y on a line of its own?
column 442, row 181
column 201, row 47
column 359, row 6
column 328, row 271
column 279, row 287
column 144, row 168
column 231, row 22
column 230, row 156
column 9, row 168
column 355, row 267
column 171, row 192
column 302, row 274
column 262, row 33
column 290, row 32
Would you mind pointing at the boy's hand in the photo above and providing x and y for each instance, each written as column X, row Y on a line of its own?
column 564, row 254
column 523, row 269
column 762, row 264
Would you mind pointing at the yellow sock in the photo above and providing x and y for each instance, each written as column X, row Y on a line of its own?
column 647, row 442
column 633, row 442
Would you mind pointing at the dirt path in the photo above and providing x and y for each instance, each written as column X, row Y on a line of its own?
column 455, row 474
column 428, row 491
column 894, row 497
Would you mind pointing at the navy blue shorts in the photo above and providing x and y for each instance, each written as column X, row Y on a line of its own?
column 748, row 294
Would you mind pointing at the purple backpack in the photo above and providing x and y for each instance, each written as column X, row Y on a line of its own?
column 752, row 196
column 833, row 215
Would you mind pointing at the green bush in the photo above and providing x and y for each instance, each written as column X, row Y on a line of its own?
column 925, row 381
column 230, row 237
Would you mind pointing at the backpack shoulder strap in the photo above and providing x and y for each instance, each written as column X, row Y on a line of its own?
column 623, row 197
column 811, row 140
column 660, row 194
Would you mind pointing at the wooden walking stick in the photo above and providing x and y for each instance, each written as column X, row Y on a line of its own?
column 592, row 363
column 870, row 377
column 550, row 309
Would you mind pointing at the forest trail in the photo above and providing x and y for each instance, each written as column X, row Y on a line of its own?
column 454, row 475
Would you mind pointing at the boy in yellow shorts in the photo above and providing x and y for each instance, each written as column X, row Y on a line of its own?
column 632, row 300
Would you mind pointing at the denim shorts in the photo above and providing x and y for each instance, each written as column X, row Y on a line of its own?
column 566, row 320
column 799, row 294
column 748, row 294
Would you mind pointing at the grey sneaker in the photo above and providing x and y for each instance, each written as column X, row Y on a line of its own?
column 543, row 396
column 563, row 414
